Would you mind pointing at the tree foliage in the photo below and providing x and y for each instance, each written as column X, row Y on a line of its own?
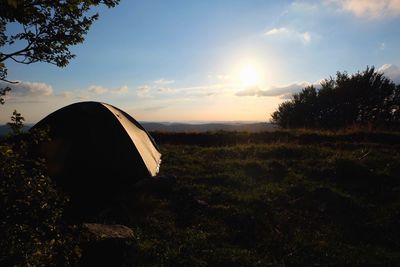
column 48, row 29
column 32, row 232
column 17, row 122
column 3, row 92
column 364, row 98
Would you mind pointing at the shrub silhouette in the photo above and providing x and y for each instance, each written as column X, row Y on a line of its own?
column 31, row 229
column 365, row 98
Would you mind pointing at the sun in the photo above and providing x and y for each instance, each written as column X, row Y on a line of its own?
column 248, row 76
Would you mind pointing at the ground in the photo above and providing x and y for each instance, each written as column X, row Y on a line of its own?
column 282, row 198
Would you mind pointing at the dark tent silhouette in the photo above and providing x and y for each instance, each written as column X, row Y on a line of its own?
column 96, row 151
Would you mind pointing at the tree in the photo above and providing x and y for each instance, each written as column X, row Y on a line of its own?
column 364, row 98
column 17, row 122
column 32, row 228
column 48, row 29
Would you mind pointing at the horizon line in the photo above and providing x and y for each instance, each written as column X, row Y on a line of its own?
column 194, row 122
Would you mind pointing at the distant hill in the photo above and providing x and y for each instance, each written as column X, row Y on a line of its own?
column 207, row 127
column 4, row 129
column 188, row 127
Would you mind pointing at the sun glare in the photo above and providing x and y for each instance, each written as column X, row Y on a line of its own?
column 248, row 76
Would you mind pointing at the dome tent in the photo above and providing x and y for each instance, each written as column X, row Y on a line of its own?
column 96, row 150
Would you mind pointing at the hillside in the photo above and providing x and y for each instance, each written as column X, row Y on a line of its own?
column 172, row 127
column 279, row 198
column 4, row 129
column 207, row 127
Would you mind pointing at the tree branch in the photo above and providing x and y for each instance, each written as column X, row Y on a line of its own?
column 8, row 81
column 16, row 53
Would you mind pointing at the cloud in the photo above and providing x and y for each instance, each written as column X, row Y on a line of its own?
column 371, row 9
column 143, row 91
column 281, row 91
column 166, row 90
column 274, row 31
column 154, row 108
column 250, row 91
column 94, row 91
column 97, row 89
column 304, row 37
column 120, row 90
column 206, row 90
column 163, row 82
column 29, row 89
column 65, row 94
column 304, row 7
column 157, row 86
column 101, row 90
column 220, row 83
column 391, row 71
column 219, row 77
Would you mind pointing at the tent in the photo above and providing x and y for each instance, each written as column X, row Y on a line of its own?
column 96, row 150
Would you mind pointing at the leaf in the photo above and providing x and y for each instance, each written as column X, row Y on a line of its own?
column 12, row 3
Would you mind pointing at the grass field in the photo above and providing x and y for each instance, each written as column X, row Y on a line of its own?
column 271, row 199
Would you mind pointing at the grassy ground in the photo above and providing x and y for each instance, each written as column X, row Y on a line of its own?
column 272, row 199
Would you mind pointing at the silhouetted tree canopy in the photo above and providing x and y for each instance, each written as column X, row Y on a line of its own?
column 363, row 98
column 47, row 30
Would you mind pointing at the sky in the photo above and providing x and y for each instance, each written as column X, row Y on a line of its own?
column 210, row 60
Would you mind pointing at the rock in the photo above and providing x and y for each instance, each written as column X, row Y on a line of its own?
column 106, row 231
column 107, row 245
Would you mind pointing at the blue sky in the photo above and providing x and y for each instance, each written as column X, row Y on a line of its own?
column 211, row 60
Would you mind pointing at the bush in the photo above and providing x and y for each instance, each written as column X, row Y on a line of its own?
column 366, row 98
column 31, row 231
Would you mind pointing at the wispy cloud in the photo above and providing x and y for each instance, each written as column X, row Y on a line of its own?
column 168, row 90
column 274, row 31
column 391, row 71
column 154, row 108
column 161, row 86
column 94, row 91
column 304, row 37
column 97, row 89
column 101, row 90
column 31, row 89
column 28, row 92
column 66, row 94
column 143, row 91
column 206, row 90
column 120, row 90
column 163, row 82
column 164, row 88
column 371, row 9
column 280, row 91
column 304, row 7
column 190, row 92
column 219, row 77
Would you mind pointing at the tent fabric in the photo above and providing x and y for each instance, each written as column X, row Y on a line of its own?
column 96, row 150
column 140, row 138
